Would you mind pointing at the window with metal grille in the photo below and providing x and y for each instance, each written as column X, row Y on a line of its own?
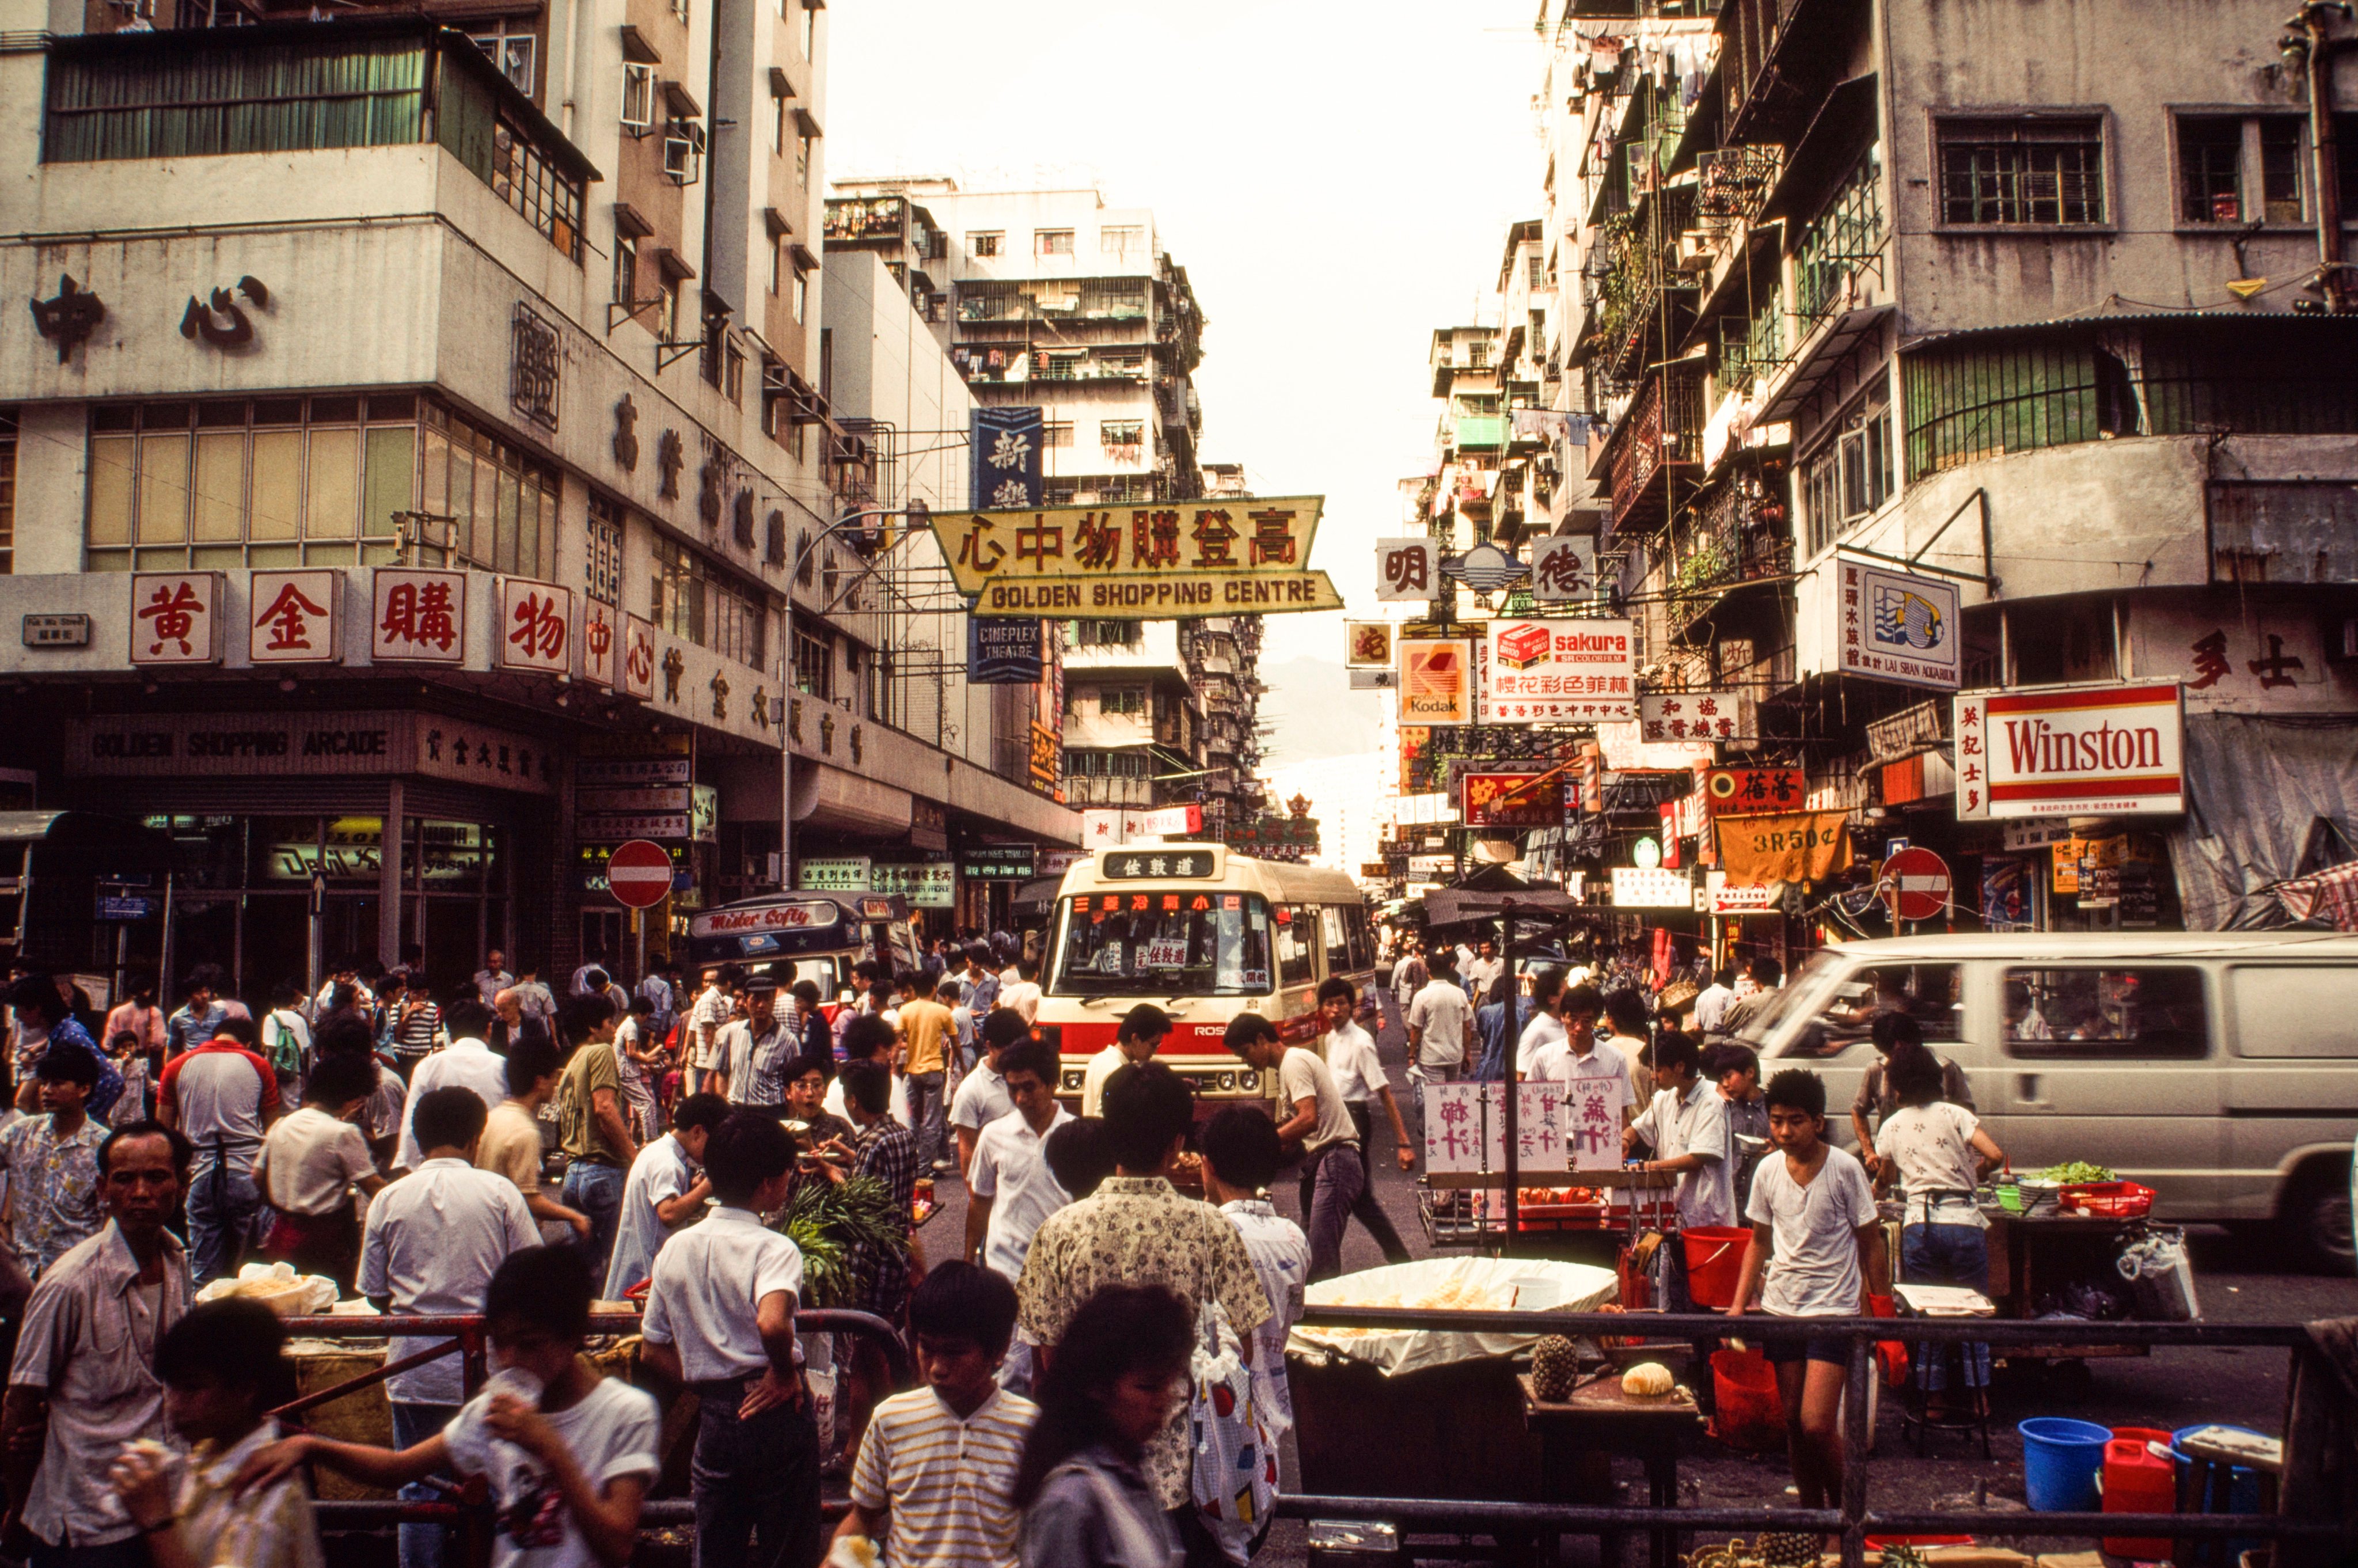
column 1850, row 475
column 2209, row 168
column 984, row 244
column 1980, row 400
column 1123, row 700
column 2035, row 170
column 1054, row 242
column 2281, row 141
column 1844, row 236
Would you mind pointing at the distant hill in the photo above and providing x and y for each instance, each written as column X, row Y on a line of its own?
column 1312, row 713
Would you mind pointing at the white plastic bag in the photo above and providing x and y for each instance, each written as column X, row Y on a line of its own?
column 1235, row 1471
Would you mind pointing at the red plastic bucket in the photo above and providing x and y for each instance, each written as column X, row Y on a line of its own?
column 1750, row 1413
column 1715, row 1260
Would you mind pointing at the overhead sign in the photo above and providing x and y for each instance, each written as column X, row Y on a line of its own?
column 1374, row 680
column 176, row 618
column 925, row 885
column 1721, row 897
column 1147, row 865
column 1651, row 887
column 2071, row 751
column 784, row 914
column 839, row 873
column 1916, row 885
column 1003, row 650
column 639, row 874
column 268, row 744
column 295, row 618
column 1898, row 627
column 1561, row 671
column 1799, row 847
column 1436, row 682
column 535, row 626
column 1563, row 565
column 1723, row 717
column 1139, row 563
column 997, row 862
column 1512, row 800
column 1751, row 790
column 1368, row 645
column 1173, row 821
column 1007, row 456
column 1407, row 570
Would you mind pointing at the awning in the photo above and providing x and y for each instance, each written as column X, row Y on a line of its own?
column 1821, row 357
column 1039, row 895
column 1460, row 906
column 1844, row 126
column 830, row 798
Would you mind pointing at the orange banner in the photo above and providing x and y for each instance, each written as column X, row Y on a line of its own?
column 1803, row 846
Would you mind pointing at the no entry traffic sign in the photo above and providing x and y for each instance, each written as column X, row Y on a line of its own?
column 639, row 875
column 1916, row 885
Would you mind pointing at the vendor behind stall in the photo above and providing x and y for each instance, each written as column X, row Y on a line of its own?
column 1939, row 1154
column 1687, row 1125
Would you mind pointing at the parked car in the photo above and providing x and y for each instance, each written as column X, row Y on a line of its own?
column 2219, row 1068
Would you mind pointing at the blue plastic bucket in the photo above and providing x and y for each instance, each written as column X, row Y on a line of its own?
column 2061, row 1461
column 2242, row 1483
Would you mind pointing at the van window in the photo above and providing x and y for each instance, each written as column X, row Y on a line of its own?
column 2129, row 1013
column 1932, row 994
column 2287, row 1009
column 1363, row 940
column 1338, row 939
column 1297, row 930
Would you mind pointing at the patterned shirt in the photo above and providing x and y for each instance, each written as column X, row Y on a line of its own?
column 880, row 1277
column 1137, row 1230
column 271, row 1528
column 948, row 1483
column 52, row 1187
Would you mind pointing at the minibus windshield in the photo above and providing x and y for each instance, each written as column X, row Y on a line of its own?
column 1155, row 942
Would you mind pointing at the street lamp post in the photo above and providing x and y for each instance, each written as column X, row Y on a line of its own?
column 869, row 522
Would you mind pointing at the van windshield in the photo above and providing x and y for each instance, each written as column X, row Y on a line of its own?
column 1155, row 942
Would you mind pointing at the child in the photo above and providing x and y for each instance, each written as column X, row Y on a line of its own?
column 720, row 1318
column 221, row 1368
column 1814, row 1208
column 569, row 1454
column 664, row 1192
column 1119, row 1373
column 1241, row 1154
column 50, row 1163
column 936, row 1476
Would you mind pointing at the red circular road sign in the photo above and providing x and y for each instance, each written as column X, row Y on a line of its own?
column 1917, row 884
column 639, row 875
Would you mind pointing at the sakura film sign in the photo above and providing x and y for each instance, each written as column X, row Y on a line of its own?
column 292, row 618
column 1561, row 671
column 176, row 618
column 535, row 627
column 418, row 617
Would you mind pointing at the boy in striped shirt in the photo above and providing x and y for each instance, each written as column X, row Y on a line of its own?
column 936, row 1469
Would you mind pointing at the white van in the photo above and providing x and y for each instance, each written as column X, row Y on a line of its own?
column 2219, row 1068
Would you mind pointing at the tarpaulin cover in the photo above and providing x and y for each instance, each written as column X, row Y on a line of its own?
column 2257, row 789
column 1470, row 1284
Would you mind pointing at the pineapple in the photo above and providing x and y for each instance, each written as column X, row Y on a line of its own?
column 1554, row 1365
column 1788, row 1547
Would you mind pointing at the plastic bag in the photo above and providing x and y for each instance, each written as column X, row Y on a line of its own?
column 1235, row 1472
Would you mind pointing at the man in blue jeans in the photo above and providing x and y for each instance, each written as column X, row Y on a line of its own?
column 593, row 1125
column 1316, row 1116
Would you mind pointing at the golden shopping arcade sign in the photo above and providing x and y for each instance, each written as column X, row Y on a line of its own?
column 1161, row 561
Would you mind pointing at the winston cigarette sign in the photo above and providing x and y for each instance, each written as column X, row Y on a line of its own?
column 2077, row 751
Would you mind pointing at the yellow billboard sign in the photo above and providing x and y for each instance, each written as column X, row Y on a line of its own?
column 1155, row 562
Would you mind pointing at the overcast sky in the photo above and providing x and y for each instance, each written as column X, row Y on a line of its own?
column 1336, row 179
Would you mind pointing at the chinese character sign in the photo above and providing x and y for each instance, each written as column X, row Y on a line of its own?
column 418, row 617
column 1897, row 627
column 176, row 618
column 291, row 618
column 1453, row 1127
column 1513, row 800
column 1723, row 717
column 1408, row 568
column 1592, row 1120
column 1539, row 1127
column 638, row 657
column 1563, row 565
column 601, row 642
column 535, row 626
column 1561, row 671
column 1006, row 463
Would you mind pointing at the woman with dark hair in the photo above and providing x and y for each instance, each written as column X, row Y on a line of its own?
column 1498, row 1021
column 1939, row 1154
column 1114, row 1377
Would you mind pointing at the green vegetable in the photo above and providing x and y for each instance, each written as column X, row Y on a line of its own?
column 2076, row 1170
column 826, row 1220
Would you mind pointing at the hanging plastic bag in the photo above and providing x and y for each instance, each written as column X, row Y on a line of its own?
column 1234, row 1480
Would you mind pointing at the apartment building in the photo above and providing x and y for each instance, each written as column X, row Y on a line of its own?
column 413, row 445
column 2039, row 303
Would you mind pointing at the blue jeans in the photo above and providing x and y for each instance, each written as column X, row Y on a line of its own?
column 223, row 1206
column 755, row 1482
column 1946, row 1255
column 596, row 1191
column 1331, row 1182
column 927, row 1112
column 421, row 1544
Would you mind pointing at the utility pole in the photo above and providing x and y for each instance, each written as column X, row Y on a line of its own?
column 2309, row 43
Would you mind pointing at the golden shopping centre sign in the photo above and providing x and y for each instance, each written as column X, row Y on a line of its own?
column 1153, row 562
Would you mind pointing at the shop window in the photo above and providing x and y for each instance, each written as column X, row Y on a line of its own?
column 2035, row 170
column 2116, row 1014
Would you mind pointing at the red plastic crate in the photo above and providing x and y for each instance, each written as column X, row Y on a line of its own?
column 2109, row 1200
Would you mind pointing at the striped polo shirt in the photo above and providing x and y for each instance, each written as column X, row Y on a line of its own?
column 947, row 1482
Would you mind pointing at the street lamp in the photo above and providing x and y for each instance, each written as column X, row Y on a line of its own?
column 869, row 522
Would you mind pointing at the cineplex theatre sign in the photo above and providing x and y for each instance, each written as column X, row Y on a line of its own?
column 1239, row 556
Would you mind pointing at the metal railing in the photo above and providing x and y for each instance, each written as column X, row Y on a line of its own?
column 1854, row 1520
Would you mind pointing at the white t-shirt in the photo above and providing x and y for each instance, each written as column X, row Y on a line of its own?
column 1933, row 1147
column 1103, row 1065
column 1544, row 1030
column 1351, row 1057
column 1024, row 997
column 1814, row 1271
column 1301, row 1075
column 613, row 1431
column 1694, row 1123
column 312, row 1158
column 1010, row 1169
column 981, row 1099
column 1441, row 1011
column 706, row 1292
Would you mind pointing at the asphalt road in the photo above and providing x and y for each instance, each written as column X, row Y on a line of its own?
column 2240, row 1277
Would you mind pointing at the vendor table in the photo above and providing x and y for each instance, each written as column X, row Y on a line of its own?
column 1578, row 1435
column 2030, row 1256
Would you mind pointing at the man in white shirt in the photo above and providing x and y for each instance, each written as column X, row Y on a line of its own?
column 1687, row 1124
column 665, row 1193
column 466, row 1062
column 714, row 1008
column 1440, row 1031
column 1137, row 1039
column 1023, row 995
column 1483, row 969
column 1010, row 1187
column 655, row 986
column 1359, row 1075
column 983, row 1098
column 1545, row 1029
column 492, row 978
column 1711, row 1007
column 1332, row 1175
column 1409, row 976
column 434, row 1239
